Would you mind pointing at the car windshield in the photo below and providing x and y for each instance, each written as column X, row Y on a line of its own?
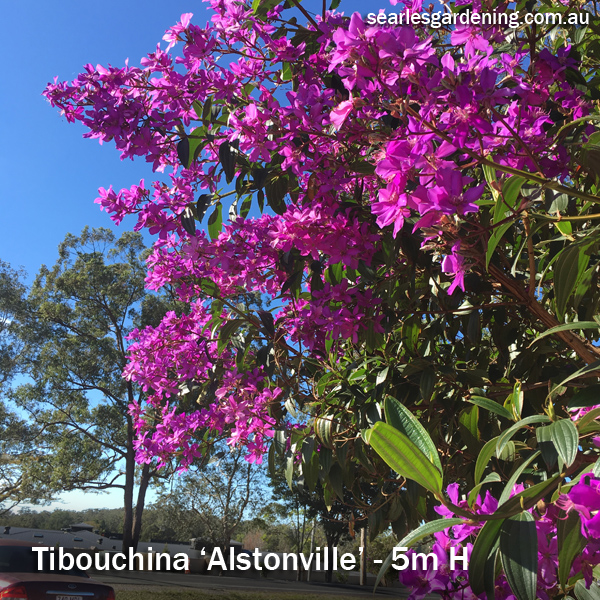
column 22, row 559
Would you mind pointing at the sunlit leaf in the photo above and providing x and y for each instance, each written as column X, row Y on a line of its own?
column 405, row 457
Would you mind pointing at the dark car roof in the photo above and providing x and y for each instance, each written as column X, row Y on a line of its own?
column 5, row 542
column 58, row 577
column 6, row 578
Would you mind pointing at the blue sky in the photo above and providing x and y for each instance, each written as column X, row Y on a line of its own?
column 50, row 174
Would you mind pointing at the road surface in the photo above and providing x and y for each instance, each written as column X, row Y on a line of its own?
column 132, row 579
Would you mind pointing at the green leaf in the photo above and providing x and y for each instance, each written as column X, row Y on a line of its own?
column 405, row 457
column 514, row 477
column 328, row 497
column 325, row 460
column 310, row 469
column 189, row 147
column 506, row 203
column 245, row 207
column 516, row 401
column 413, row 537
column 565, row 436
column 495, row 240
column 570, row 543
column 519, row 555
column 583, row 593
column 227, row 158
column 398, row 416
column 289, row 470
column 280, row 441
column 196, row 139
column 530, row 495
column 468, row 424
column 198, row 108
column 188, row 221
column 410, row 333
column 508, row 452
column 569, row 267
column 589, row 396
column 567, row 327
column 323, row 431
column 558, row 202
column 564, row 227
column 271, row 460
column 484, row 550
column 215, row 222
column 209, row 287
column 382, row 376
column 336, row 478
column 227, row 331
column 546, row 445
column 375, row 523
column 286, row 71
column 361, row 455
column 316, row 283
column 206, row 110
column 276, row 188
column 334, row 273
column 260, row 8
column 202, row 205
column 491, row 406
column 362, row 167
column 588, row 418
column 183, row 152
column 268, row 322
column 577, row 122
column 427, row 384
column 508, row 434
column 490, row 176
column 583, row 371
column 484, row 457
column 293, row 284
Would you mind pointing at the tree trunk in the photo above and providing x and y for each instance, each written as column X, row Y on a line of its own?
column 363, row 556
column 128, row 492
column 139, row 507
column 312, row 547
column 333, row 540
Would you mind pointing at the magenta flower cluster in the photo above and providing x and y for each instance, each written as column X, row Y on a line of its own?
column 583, row 497
column 403, row 118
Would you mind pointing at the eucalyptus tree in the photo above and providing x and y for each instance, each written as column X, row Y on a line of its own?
column 85, row 307
column 17, row 436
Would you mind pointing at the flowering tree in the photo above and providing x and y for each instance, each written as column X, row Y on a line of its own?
column 418, row 205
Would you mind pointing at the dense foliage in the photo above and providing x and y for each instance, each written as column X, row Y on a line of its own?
column 429, row 243
column 74, row 397
column 17, row 436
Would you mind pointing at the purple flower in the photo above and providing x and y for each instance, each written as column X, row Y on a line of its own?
column 392, row 206
column 424, row 581
column 453, row 264
column 452, row 195
column 340, row 112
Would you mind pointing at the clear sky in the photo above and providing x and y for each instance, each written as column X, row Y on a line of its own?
column 50, row 174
